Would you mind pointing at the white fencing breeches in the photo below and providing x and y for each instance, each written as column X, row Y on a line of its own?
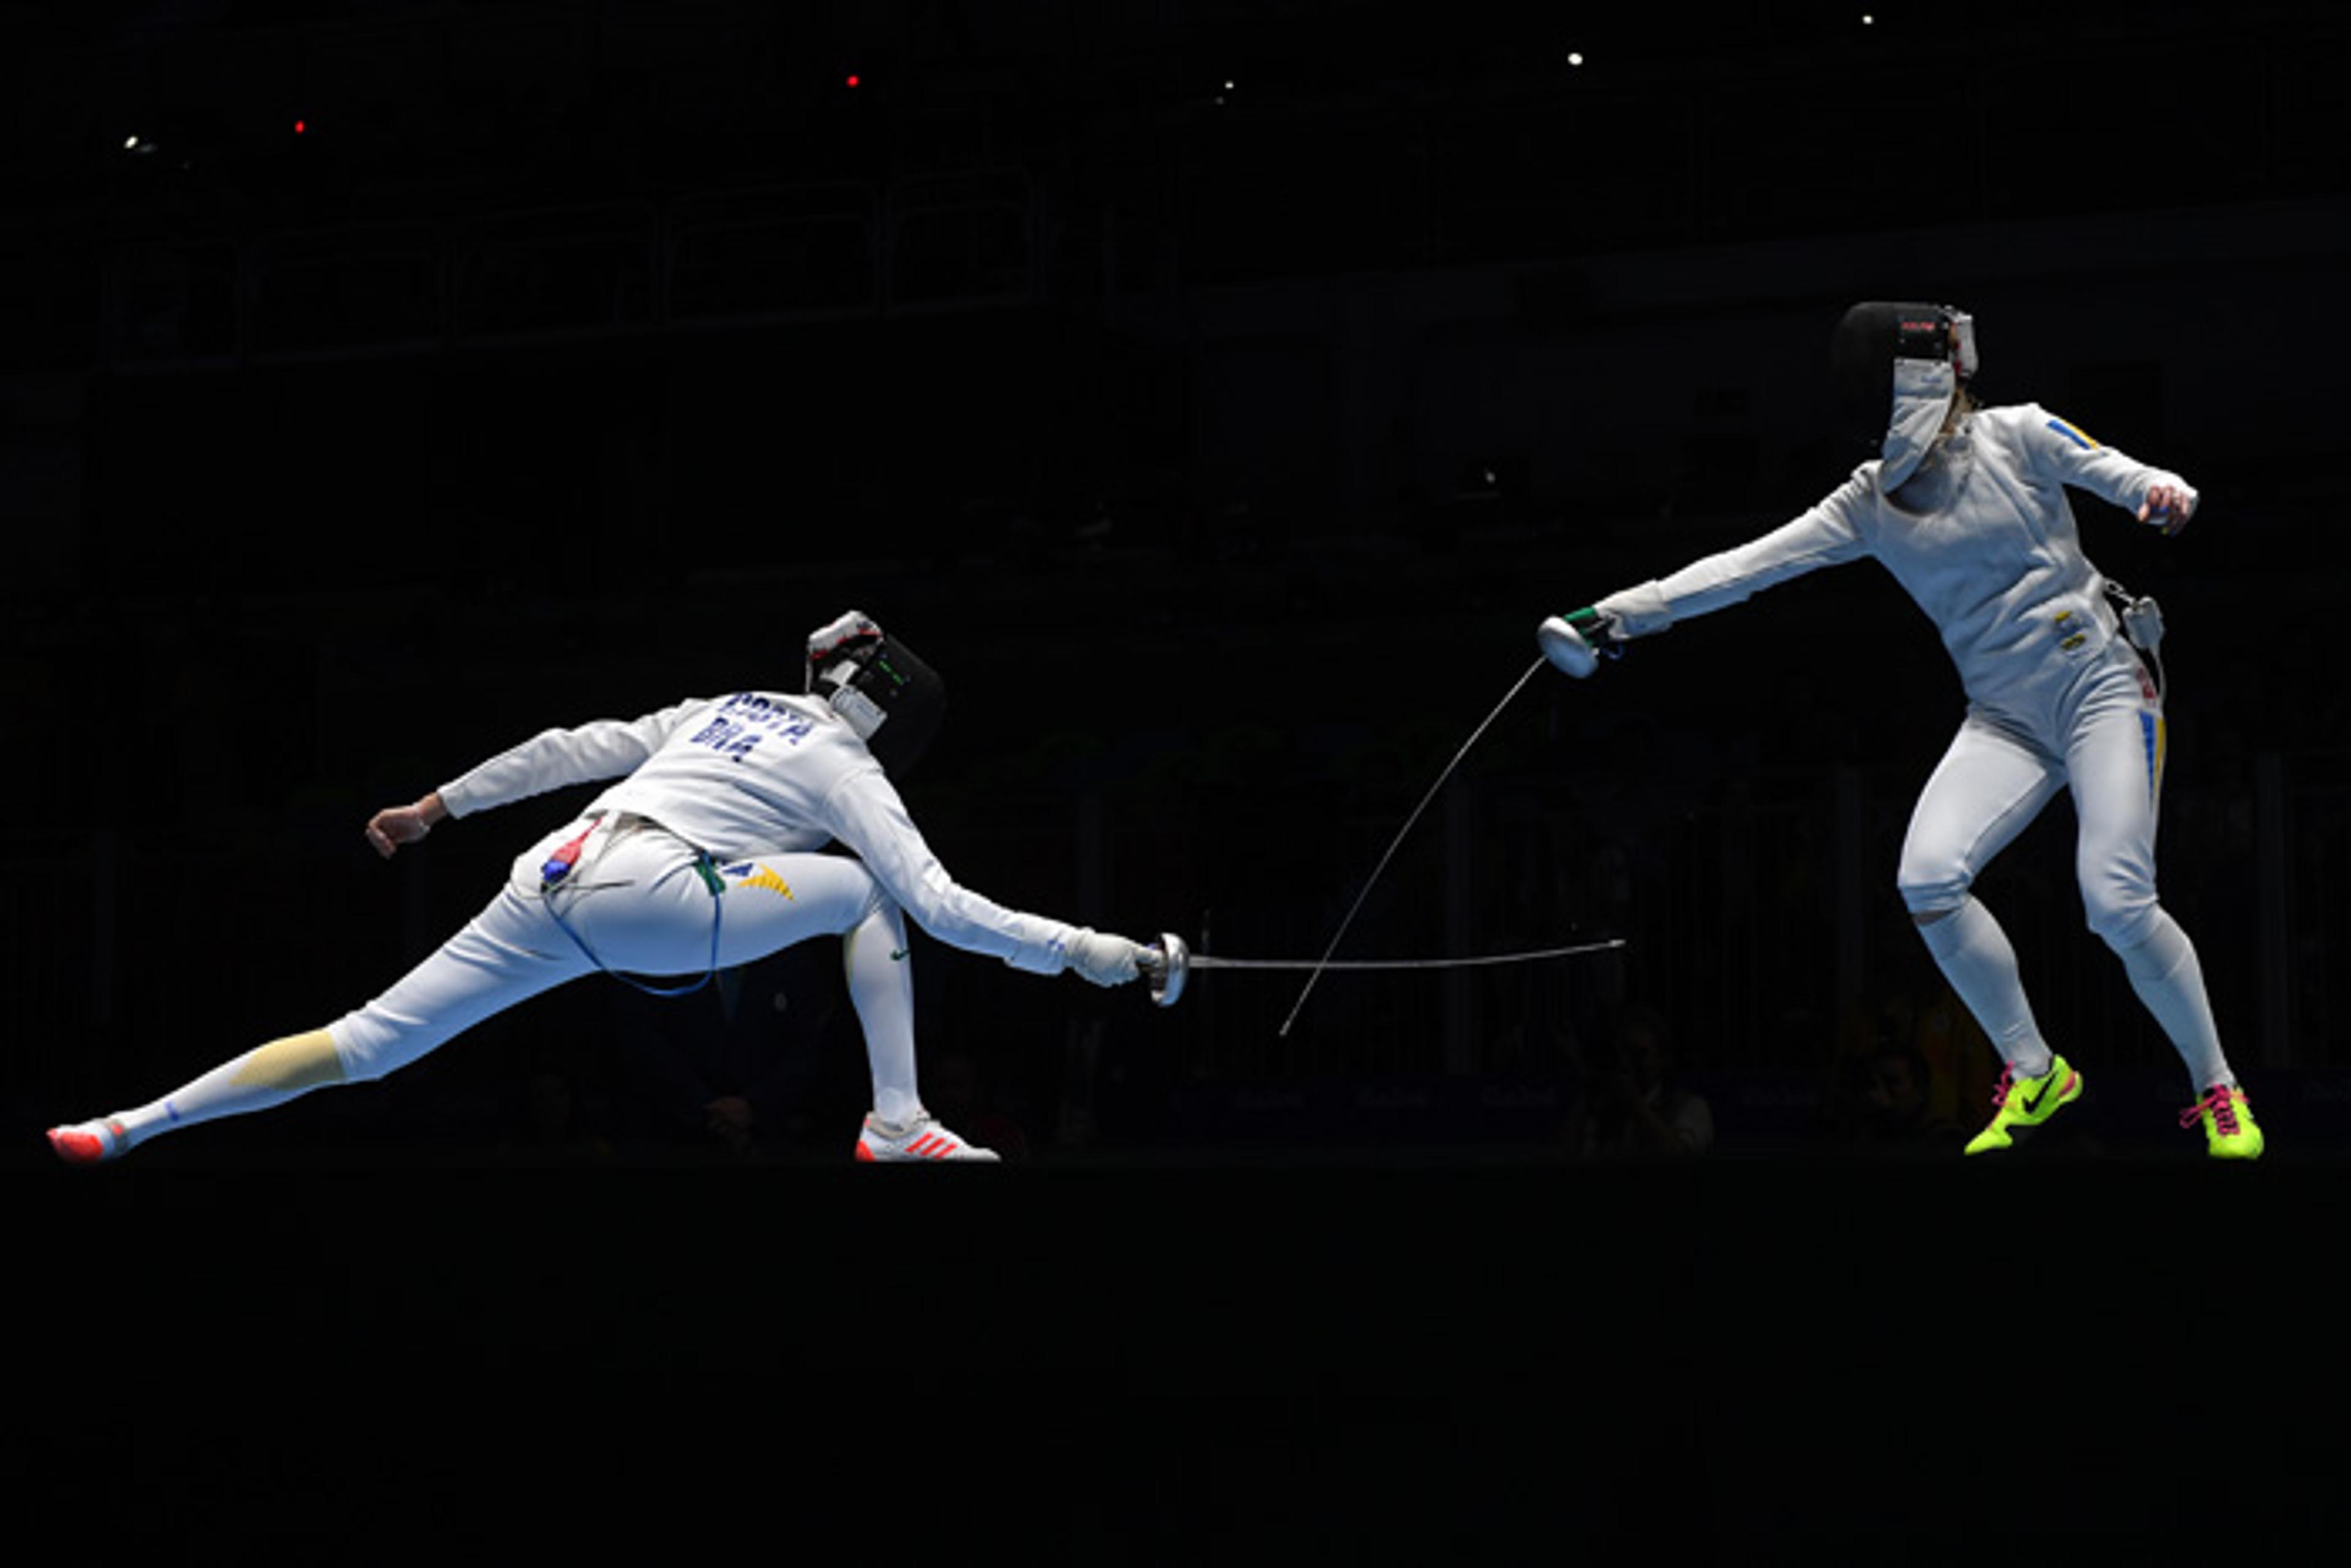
column 1990, row 784
column 636, row 899
column 1994, row 779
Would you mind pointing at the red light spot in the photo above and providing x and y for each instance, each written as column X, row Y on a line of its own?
column 854, row 79
column 300, row 126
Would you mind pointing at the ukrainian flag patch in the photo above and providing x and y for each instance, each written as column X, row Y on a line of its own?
column 2150, row 726
column 2074, row 434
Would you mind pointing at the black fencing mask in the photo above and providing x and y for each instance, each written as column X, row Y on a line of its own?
column 1894, row 368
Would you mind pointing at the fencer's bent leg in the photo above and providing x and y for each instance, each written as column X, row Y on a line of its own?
column 1987, row 786
column 779, row 900
column 2115, row 767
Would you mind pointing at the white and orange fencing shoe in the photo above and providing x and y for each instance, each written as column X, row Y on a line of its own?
column 86, row 1142
column 924, row 1138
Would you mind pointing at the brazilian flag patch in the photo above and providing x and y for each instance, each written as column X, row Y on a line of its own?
column 2074, row 434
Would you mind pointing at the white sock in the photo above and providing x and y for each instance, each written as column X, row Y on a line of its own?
column 1974, row 954
column 267, row 1075
column 881, row 989
column 2164, row 973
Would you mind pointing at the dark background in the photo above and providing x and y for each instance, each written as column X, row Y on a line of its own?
column 1223, row 446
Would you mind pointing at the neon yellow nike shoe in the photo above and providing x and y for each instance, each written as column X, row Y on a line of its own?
column 2022, row 1104
column 2230, row 1131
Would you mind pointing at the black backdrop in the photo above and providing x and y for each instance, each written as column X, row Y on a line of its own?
column 1223, row 454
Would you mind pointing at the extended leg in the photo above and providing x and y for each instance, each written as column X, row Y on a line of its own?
column 497, row 960
column 265, row 1076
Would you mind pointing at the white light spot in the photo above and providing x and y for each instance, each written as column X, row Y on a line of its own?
column 129, row 143
column 1574, row 58
column 1867, row 20
column 1228, row 87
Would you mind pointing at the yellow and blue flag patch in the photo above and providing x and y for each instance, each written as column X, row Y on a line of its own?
column 2072, row 433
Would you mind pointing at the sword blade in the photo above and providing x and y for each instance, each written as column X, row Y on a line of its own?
column 1340, row 935
column 1213, row 961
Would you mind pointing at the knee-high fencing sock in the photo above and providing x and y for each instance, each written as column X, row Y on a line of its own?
column 1975, row 956
column 2164, row 973
column 265, row 1076
column 882, row 992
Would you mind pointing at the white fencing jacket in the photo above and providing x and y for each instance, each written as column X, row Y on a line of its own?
column 1981, row 536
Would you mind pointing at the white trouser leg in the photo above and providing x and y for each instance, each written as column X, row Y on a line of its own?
column 779, row 900
column 1989, row 786
column 500, row 958
column 883, row 990
column 636, row 901
column 2115, row 763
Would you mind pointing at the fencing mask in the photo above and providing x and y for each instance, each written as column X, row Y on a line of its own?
column 879, row 688
column 1893, row 370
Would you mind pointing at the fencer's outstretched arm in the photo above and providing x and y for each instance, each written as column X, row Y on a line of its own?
column 1824, row 536
column 550, row 760
column 865, row 813
column 605, row 749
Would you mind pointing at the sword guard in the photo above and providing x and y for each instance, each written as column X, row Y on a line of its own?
column 1168, row 965
column 1566, row 648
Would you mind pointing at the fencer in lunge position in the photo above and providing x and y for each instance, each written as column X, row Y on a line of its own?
column 1966, row 505
column 702, row 857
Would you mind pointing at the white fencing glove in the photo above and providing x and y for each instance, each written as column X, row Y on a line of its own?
column 1104, row 960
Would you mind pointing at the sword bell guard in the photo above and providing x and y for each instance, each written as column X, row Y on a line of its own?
column 1565, row 647
column 1169, row 964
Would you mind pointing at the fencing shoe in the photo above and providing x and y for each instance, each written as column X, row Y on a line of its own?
column 921, row 1139
column 88, row 1143
column 2230, row 1131
column 2022, row 1104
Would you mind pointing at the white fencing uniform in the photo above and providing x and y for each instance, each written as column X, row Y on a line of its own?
column 1981, row 536
column 704, row 856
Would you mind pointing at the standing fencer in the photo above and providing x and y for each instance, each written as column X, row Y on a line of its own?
column 1966, row 505
column 702, row 857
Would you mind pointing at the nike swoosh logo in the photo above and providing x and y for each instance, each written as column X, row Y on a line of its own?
column 2034, row 1103
column 899, row 955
